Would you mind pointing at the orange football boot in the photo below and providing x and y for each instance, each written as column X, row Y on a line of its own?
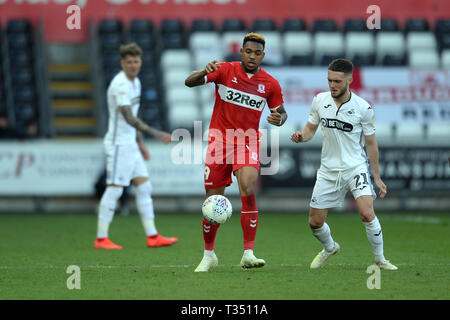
column 160, row 241
column 105, row 243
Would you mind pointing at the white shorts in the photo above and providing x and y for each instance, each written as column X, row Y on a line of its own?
column 124, row 163
column 331, row 187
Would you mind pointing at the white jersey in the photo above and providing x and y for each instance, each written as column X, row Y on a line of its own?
column 342, row 130
column 122, row 92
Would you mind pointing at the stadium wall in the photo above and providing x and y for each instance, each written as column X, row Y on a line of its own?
column 54, row 12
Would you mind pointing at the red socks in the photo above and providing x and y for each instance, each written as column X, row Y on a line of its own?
column 249, row 220
column 249, row 223
column 209, row 234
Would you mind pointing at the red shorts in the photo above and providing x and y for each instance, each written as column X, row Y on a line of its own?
column 222, row 161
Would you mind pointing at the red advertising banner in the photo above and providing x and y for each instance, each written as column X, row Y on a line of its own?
column 54, row 13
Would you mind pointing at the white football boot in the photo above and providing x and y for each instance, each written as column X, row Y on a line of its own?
column 386, row 265
column 323, row 256
column 208, row 261
column 250, row 261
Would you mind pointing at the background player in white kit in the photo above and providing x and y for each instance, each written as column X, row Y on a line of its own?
column 125, row 152
column 347, row 120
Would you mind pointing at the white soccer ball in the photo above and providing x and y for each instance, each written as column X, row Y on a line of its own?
column 217, row 209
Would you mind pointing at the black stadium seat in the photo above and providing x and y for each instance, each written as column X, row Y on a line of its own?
column 300, row 60
column 389, row 25
column 442, row 26
column 25, row 112
column 145, row 41
column 393, row 60
column 294, row 25
column 363, row 59
column 110, row 26
column 263, row 25
column 19, row 41
column 416, row 25
column 110, row 41
column 21, row 58
column 141, row 26
column 173, row 41
column 23, row 76
column 24, row 94
column 444, row 41
column 233, row 25
column 327, row 25
column 202, row 25
column 169, row 26
column 17, row 26
column 355, row 25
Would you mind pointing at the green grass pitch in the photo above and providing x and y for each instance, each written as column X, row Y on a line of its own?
column 37, row 249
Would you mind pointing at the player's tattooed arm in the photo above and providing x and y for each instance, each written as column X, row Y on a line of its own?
column 142, row 126
column 197, row 78
column 277, row 117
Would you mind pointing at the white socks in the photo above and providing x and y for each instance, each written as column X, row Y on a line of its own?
column 375, row 237
column 323, row 234
column 144, row 204
column 106, row 210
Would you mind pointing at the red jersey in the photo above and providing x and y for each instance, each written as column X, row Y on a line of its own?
column 241, row 97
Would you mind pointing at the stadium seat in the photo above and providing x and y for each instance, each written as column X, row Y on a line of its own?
column 393, row 60
column 149, row 79
column 173, row 41
column 175, row 77
column 409, row 132
column 202, row 59
column 389, row 25
column 416, row 24
column 352, row 25
column 324, row 25
column 111, row 60
column 260, row 25
column 384, row 133
column 202, row 25
column 110, row 26
column 392, row 43
column 183, row 115
column 206, row 111
column 206, row 94
column 442, row 26
column 328, row 44
column 300, row 60
column 273, row 48
column 24, row 112
column 180, row 58
column 175, row 95
column 18, row 26
column 232, row 42
column 424, row 59
column 141, row 26
column 232, row 25
column 444, row 41
column 439, row 132
column 149, row 58
column 445, row 59
column 150, row 112
column 151, row 95
column 298, row 43
column 22, row 76
column 145, row 40
column 361, row 59
column 172, row 26
column 359, row 43
column 24, row 94
column 110, row 41
column 21, row 58
column 19, row 41
column 417, row 40
column 326, row 59
column 204, row 41
column 294, row 25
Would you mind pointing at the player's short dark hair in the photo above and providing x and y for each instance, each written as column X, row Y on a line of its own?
column 341, row 65
column 131, row 49
column 256, row 37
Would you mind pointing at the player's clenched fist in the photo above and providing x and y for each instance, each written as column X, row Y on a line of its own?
column 211, row 67
column 297, row 137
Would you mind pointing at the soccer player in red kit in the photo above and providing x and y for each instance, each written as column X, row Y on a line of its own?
column 243, row 89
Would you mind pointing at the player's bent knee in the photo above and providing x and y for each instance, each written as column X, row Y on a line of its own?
column 367, row 216
column 144, row 188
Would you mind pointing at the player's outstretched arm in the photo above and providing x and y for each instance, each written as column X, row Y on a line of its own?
column 197, row 78
column 140, row 125
column 306, row 134
column 372, row 153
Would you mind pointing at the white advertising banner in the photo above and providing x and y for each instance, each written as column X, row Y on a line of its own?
column 397, row 94
column 52, row 168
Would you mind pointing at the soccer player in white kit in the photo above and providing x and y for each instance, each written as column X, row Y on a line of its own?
column 347, row 121
column 125, row 152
